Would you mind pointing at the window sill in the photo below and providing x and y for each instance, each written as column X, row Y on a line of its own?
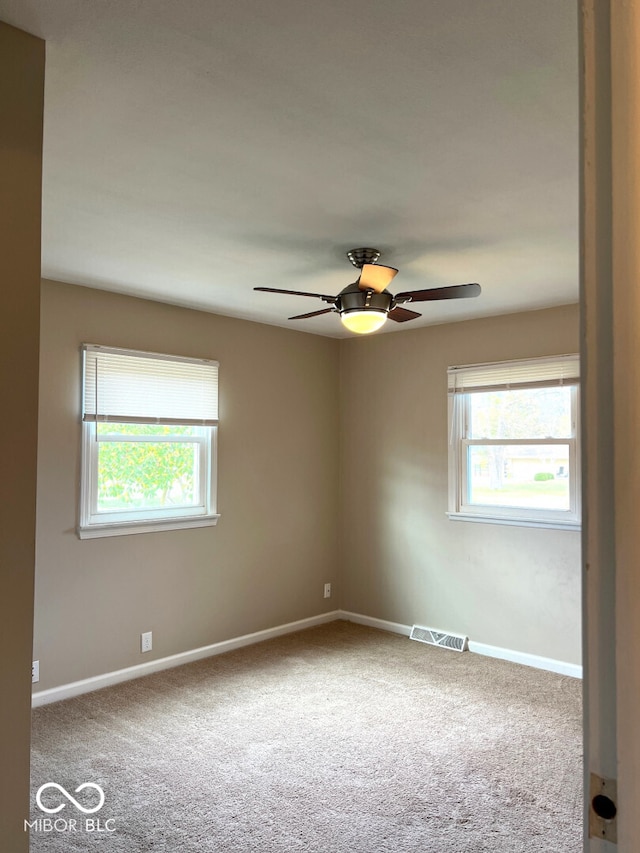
column 97, row 531
column 515, row 522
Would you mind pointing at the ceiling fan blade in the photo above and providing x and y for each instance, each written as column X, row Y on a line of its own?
column 402, row 315
column 297, row 293
column 376, row 277
column 456, row 291
column 312, row 314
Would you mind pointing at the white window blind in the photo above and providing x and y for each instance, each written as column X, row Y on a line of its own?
column 512, row 375
column 126, row 386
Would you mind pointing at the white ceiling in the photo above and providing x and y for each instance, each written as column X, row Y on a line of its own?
column 196, row 149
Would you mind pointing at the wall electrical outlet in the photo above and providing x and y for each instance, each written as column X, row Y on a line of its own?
column 327, row 590
column 35, row 671
column 146, row 641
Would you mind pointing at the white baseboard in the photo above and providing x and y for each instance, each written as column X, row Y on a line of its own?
column 87, row 685
column 572, row 669
column 550, row 664
column 372, row 622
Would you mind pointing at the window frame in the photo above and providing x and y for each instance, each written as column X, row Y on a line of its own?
column 94, row 523
column 460, row 508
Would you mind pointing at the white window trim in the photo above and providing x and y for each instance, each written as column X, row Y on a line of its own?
column 93, row 524
column 459, row 507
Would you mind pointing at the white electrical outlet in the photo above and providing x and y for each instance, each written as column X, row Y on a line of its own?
column 146, row 641
column 327, row 590
column 35, row 671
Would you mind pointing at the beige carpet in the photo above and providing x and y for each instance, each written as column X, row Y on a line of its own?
column 339, row 739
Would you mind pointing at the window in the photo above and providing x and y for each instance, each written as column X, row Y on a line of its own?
column 149, row 426
column 513, row 442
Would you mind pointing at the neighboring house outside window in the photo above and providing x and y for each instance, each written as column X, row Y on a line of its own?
column 514, row 442
column 149, row 424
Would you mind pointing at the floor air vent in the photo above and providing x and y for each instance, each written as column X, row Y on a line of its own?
column 457, row 642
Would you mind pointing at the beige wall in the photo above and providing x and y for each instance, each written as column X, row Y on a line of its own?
column 302, row 417
column 275, row 545
column 403, row 560
column 21, row 107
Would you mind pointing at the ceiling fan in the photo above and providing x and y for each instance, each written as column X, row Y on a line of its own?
column 365, row 305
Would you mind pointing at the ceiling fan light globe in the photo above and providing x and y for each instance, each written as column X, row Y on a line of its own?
column 363, row 322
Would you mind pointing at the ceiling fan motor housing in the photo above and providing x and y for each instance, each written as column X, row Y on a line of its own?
column 354, row 299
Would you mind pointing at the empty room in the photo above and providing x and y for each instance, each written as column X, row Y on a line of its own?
column 298, row 483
